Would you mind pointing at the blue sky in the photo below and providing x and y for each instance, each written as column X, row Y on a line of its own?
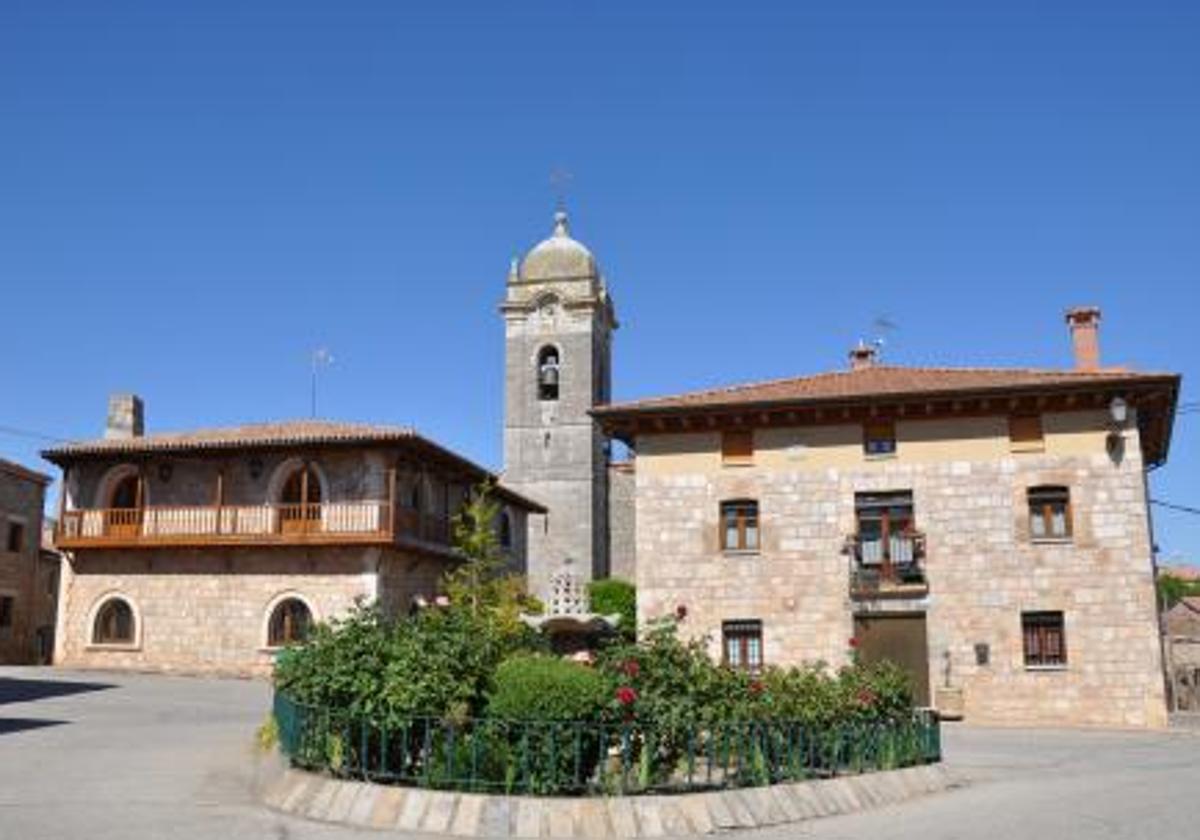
column 193, row 196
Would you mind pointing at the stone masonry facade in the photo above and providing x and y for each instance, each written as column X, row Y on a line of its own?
column 378, row 529
column 982, row 567
column 22, row 572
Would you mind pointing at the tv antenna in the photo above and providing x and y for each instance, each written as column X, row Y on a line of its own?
column 882, row 327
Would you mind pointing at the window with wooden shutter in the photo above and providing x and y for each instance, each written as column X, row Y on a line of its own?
column 1049, row 513
column 1045, row 640
column 742, row 645
column 1025, row 433
column 739, row 525
column 879, row 438
column 737, row 446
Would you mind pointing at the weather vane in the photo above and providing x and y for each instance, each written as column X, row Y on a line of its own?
column 560, row 181
column 321, row 358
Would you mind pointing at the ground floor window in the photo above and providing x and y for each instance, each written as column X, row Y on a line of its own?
column 743, row 645
column 6, row 611
column 1045, row 639
column 114, row 623
column 290, row 623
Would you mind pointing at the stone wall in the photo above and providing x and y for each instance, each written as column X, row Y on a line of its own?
column 622, row 531
column 204, row 611
column 21, row 501
column 983, row 569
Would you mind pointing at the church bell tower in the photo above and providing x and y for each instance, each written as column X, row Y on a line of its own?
column 558, row 324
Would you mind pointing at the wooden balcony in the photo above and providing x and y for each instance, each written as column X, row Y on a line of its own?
column 332, row 523
column 891, row 568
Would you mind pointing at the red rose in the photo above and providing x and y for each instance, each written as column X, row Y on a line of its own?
column 630, row 668
column 853, row 642
column 681, row 612
column 865, row 697
column 626, row 696
column 757, row 688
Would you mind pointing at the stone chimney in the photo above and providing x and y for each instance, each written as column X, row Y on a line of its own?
column 126, row 416
column 1085, row 336
column 863, row 356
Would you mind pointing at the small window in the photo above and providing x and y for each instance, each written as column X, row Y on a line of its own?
column 1049, row 513
column 743, row 645
column 548, row 374
column 6, row 612
column 290, row 623
column 114, row 623
column 739, row 525
column 737, row 446
column 414, row 496
column 505, row 530
column 16, row 536
column 1025, row 433
column 879, row 438
column 1044, row 639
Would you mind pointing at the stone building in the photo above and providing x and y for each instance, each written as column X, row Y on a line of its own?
column 1181, row 625
column 28, row 594
column 558, row 325
column 208, row 550
column 986, row 528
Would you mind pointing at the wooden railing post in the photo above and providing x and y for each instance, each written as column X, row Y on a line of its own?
column 391, row 509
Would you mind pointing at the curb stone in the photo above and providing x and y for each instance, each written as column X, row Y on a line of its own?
column 473, row 815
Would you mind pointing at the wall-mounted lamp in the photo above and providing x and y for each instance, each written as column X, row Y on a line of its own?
column 1118, row 413
column 1118, row 410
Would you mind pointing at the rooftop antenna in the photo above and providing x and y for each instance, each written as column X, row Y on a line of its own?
column 882, row 326
column 560, row 182
column 321, row 358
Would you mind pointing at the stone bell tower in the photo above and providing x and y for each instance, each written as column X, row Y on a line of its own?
column 558, row 324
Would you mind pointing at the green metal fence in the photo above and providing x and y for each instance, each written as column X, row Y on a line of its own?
column 568, row 757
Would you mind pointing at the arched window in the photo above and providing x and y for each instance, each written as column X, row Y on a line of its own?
column 124, row 516
column 126, row 494
column 290, row 623
column 505, row 530
column 548, row 373
column 114, row 624
column 301, row 498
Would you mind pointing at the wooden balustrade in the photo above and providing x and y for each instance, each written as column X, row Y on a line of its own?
column 367, row 521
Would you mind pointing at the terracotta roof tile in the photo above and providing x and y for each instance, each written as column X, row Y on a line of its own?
column 878, row 381
column 283, row 433
column 21, row 471
column 269, row 435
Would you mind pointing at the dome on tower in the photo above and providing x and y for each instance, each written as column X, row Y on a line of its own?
column 558, row 257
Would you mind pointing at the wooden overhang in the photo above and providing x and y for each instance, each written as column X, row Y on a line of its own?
column 1153, row 395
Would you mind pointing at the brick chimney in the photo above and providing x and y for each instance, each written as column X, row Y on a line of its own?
column 863, row 356
column 1085, row 336
column 126, row 416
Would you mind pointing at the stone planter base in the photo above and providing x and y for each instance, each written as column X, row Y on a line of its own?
column 404, row 809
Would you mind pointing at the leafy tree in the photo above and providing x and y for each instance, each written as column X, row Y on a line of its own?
column 1173, row 589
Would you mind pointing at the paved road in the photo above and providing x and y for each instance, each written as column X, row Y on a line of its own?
column 99, row 756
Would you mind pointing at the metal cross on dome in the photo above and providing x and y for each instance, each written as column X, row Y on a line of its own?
column 560, row 180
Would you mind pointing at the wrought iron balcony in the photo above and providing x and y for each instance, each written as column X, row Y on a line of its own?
column 892, row 567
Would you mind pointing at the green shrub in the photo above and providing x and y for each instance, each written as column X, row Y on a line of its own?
column 436, row 664
column 553, row 743
column 546, row 688
column 613, row 596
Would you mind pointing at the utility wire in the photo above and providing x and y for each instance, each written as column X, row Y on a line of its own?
column 26, row 433
column 1180, row 508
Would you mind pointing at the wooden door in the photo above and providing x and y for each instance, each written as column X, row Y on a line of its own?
column 900, row 639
